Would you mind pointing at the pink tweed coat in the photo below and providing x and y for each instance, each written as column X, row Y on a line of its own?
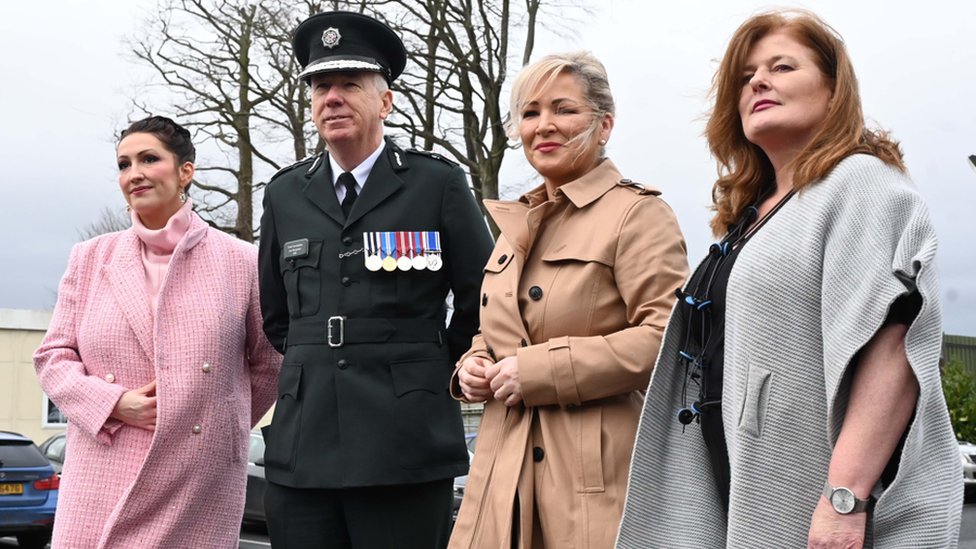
column 183, row 485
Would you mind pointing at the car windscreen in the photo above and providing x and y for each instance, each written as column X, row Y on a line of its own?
column 55, row 449
column 257, row 448
column 15, row 453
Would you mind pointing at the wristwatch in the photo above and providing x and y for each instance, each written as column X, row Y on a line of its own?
column 844, row 501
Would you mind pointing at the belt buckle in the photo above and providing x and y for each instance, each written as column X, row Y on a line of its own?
column 342, row 330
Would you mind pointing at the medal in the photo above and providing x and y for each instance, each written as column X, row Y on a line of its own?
column 389, row 264
column 433, row 248
column 403, row 262
column 371, row 244
column 417, row 254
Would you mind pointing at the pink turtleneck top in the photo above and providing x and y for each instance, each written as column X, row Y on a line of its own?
column 158, row 246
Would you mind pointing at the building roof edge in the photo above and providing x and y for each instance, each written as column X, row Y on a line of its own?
column 23, row 319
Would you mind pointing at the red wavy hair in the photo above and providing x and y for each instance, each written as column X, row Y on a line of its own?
column 744, row 169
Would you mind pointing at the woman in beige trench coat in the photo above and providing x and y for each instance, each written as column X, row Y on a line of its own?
column 575, row 299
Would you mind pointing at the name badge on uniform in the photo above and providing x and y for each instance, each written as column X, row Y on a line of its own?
column 432, row 250
column 296, row 248
column 371, row 246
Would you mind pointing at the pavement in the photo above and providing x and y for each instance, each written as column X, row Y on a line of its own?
column 252, row 537
column 967, row 532
column 256, row 536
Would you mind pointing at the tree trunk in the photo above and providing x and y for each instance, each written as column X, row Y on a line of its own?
column 489, row 187
column 244, row 228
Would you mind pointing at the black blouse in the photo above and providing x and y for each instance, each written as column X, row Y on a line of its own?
column 708, row 324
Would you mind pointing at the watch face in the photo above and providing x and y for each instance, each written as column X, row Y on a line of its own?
column 843, row 500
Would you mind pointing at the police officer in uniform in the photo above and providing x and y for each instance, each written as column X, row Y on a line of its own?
column 365, row 439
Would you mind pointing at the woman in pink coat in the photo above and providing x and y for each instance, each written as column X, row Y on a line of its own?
column 157, row 357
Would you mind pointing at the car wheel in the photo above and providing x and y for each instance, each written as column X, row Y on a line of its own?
column 33, row 540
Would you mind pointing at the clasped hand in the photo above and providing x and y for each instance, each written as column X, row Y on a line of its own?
column 138, row 407
column 480, row 379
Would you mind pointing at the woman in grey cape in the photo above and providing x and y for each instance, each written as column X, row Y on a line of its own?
column 796, row 400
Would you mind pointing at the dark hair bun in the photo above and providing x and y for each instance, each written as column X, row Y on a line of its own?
column 174, row 137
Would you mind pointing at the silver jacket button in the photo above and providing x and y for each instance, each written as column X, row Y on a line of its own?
column 110, row 378
column 197, row 429
column 206, row 367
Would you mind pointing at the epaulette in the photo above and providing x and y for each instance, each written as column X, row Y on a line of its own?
column 314, row 157
column 436, row 156
column 638, row 188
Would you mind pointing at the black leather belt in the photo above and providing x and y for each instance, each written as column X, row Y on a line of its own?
column 339, row 331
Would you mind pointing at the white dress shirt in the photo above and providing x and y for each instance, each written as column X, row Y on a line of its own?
column 360, row 172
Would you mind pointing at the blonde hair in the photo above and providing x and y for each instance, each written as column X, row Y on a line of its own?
column 744, row 169
column 589, row 73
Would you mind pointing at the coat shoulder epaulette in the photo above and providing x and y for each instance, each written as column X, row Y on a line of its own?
column 308, row 159
column 436, row 156
column 636, row 187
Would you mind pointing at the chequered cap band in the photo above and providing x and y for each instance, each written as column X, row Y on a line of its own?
column 334, row 65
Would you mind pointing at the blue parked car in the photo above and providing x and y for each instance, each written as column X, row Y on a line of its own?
column 28, row 492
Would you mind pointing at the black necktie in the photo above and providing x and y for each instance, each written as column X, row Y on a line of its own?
column 349, row 182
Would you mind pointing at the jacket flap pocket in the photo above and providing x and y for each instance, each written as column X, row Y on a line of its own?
column 295, row 256
column 591, row 448
column 428, row 374
column 754, row 401
column 581, row 249
column 290, row 381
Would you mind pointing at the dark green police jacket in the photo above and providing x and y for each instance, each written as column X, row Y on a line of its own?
column 370, row 406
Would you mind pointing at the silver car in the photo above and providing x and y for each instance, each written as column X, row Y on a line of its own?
column 967, row 452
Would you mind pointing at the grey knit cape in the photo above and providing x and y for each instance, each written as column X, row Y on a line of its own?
column 808, row 291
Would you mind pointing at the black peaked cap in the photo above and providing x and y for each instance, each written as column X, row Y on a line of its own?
column 344, row 41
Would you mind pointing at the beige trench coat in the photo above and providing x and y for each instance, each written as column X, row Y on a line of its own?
column 595, row 308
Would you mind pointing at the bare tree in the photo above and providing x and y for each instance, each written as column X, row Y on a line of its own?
column 207, row 53
column 110, row 221
column 288, row 111
column 230, row 68
column 459, row 59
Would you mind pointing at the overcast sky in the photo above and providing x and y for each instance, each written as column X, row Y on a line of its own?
column 62, row 96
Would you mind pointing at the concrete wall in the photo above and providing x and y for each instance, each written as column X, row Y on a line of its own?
column 471, row 415
column 21, row 399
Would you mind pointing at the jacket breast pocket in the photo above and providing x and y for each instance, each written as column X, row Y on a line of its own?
column 428, row 421
column 283, row 437
column 752, row 416
column 303, row 281
column 582, row 283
